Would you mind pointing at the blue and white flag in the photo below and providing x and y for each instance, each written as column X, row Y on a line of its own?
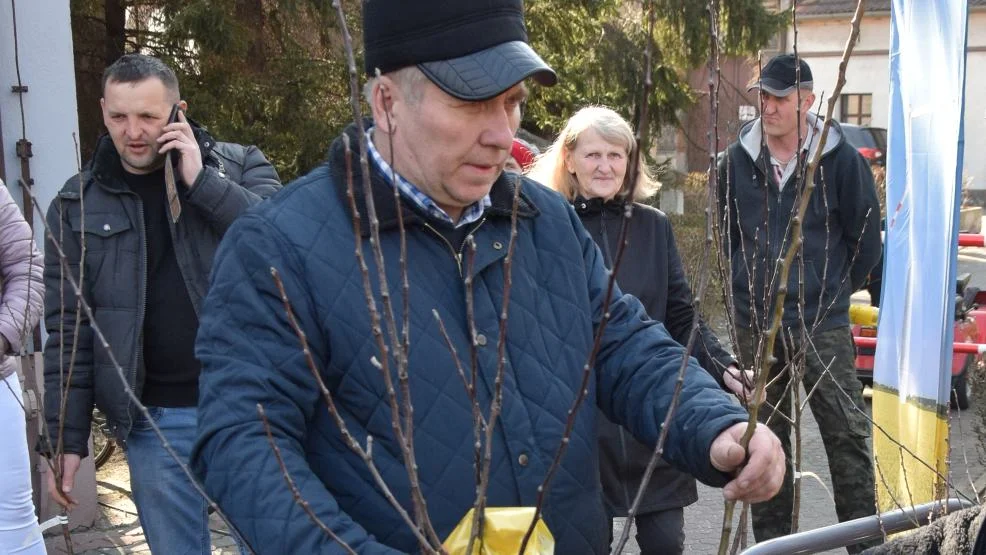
column 924, row 166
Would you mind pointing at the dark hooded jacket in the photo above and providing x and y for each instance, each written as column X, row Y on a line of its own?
column 841, row 230
column 233, row 178
column 558, row 281
column 650, row 270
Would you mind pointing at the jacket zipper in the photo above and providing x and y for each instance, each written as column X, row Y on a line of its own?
column 625, row 474
column 143, row 303
column 456, row 255
column 605, row 242
column 173, row 230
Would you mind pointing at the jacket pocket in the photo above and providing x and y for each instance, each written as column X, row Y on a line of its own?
column 812, row 283
column 102, row 230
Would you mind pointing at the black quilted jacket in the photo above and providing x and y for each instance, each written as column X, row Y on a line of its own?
column 233, row 178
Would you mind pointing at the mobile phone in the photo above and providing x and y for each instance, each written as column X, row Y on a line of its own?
column 170, row 172
column 174, row 113
column 172, row 157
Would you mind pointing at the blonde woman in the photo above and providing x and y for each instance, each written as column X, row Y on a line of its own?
column 588, row 165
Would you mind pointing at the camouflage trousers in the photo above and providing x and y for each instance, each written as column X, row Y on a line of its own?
column 827, row 363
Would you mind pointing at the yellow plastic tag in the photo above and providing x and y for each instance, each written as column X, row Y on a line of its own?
column 503, row 532
column 864, row 315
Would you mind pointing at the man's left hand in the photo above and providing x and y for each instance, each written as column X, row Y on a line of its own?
column 740, row 382
column 758, row 477
column 178, row 136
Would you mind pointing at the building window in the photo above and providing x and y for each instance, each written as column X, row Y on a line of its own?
column 856, row 108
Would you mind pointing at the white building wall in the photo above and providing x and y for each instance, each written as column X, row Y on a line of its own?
column 47, row 68
column 975, row 102
column 821, row 41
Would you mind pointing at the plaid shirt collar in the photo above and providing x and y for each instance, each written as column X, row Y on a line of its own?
column 415, row 196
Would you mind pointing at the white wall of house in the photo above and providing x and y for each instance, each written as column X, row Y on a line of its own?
column 821, row 41
column 47, row 68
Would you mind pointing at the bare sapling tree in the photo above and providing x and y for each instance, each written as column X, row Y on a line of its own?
column 783, row 265
column 74, row 281
column 403, row 432
column 633, row 166
column 290, row 482
column 395, row 343
column 366, row 454
column 712, row 181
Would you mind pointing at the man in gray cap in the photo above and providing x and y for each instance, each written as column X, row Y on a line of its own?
column 761, row 178
column 445, row 108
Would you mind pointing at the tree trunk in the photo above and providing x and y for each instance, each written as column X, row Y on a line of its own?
column 252, row 14
column 115, row 16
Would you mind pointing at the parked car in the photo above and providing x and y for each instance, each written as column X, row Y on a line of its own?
column 871, row 142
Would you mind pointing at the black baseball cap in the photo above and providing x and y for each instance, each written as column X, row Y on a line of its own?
column 471, row 49
column 779, row 76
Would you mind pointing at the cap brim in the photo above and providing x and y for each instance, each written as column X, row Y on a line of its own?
column 487, row 73
column 777, row 88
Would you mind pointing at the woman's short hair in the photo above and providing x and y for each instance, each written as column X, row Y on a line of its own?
column 549, row 168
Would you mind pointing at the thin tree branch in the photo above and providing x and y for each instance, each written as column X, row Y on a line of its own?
column 347, row 436
column 403, row 435
column 294, row 488
column 479, row 423
column 496, row 405
column 470, row 389
column 121, row 374
column 711, row 184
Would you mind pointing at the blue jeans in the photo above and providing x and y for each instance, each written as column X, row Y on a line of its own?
column 172, row 514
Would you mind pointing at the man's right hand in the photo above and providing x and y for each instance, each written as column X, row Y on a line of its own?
column 70, row 465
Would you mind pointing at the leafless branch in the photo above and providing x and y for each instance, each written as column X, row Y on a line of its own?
column 469, row 387
column 799, row 375
column 496, row 404
column 886, row 485
column 876, row 425
column 479, row 423
column 965, row 459
column 739, row 540
column 294, row 488
column 712, row 183
column 347, row 436
column 121, row 374
column 583, row 391
column 59, row 468
column 403, row 433
column 903, row 473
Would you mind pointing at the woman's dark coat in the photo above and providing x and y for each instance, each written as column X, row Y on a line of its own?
column 651, row 270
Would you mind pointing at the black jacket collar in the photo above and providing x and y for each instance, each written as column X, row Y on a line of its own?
column 501, row 194
column 597, row 205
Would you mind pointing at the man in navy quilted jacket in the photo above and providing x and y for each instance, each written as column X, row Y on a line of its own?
column 445, row 109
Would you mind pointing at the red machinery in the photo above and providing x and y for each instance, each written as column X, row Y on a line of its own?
column 969, row 333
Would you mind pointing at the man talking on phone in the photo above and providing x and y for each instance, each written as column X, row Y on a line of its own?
column 140, row 226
